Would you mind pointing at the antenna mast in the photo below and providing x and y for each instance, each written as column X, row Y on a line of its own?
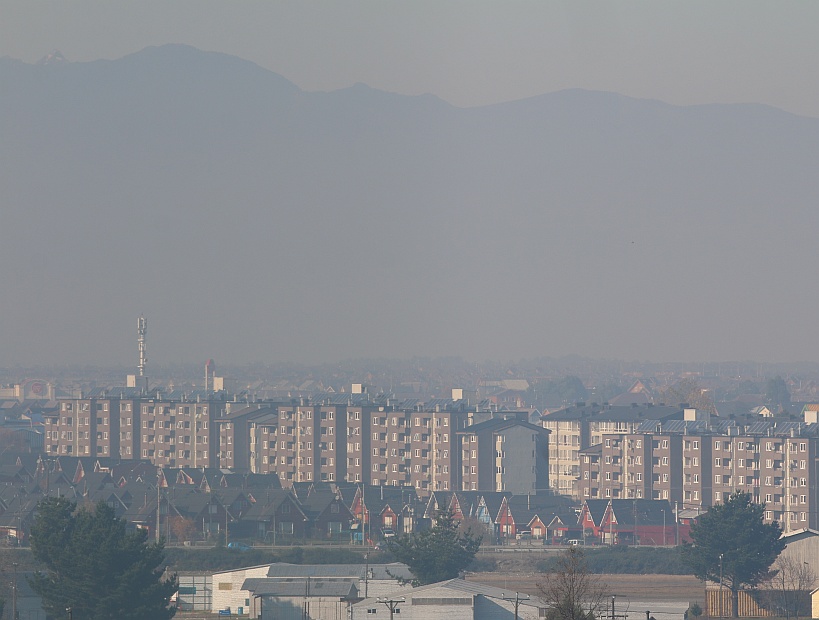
column 142, row 330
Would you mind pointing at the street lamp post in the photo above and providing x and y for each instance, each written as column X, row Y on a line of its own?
column 612, row 606
column 720, row 585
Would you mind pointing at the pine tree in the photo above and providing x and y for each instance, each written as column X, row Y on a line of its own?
column 732, row 545
column 95, row 567
column 436, row 554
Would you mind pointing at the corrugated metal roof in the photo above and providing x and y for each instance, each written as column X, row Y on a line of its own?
column 378, row 571
column 301, row 587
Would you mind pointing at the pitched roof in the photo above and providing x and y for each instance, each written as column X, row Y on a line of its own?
column 499, row 424
column 394, row 570
column 469, row 589
column 309, row 587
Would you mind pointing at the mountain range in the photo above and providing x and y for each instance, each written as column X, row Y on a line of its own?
column 248, row 220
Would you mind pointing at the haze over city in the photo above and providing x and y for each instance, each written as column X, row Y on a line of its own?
column 313, row 182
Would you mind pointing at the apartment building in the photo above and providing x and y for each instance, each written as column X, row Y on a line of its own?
column 504, row 454
column 350, row 438
column 170, row 430
column 334, row 438
column 404, row 444
column 380, row 442
column 84, row 427
column 581, row 426
column 247, row 437
column 697, row 464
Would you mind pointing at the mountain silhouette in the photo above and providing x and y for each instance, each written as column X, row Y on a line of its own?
column 251, row 220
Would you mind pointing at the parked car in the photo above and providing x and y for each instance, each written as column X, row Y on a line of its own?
column 388, row 533
column 239, row 546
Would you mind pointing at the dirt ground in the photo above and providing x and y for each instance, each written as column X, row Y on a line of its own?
column 636, row 587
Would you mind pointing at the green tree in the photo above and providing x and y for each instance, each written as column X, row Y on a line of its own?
column 438, row 553
column 95, row 566
column 572, row 591
column 732, row 543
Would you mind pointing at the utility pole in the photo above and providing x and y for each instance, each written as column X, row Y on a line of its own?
column 517, row 600
column 366, row 573
column 392, row 604
column 158, row 501
column 14, row 594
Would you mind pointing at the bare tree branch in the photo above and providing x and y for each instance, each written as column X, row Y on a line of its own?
column 572, row 592
column 787, row 591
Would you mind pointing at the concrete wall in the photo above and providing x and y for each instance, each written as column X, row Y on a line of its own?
column 299, row 608
column 500, row 609
column 382, row 587
column 519, row 460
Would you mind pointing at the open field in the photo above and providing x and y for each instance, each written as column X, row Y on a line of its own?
column 635, row 587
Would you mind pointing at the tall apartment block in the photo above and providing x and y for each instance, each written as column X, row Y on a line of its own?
column 504, row 455
column 172, row 430
column 345, row 438
column 380, row 442
column 437, row 445
column 696, row 464
column 582, row 426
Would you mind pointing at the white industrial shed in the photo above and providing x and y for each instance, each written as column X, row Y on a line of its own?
column 371, row 579
column 301, row 598
column 803, row 546
column 227, row 591
column 454, row 600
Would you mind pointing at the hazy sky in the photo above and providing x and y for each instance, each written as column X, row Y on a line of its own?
column 737, row 214
column 468, row 52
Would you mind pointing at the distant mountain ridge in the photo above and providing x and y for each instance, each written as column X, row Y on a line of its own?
column 253, row 220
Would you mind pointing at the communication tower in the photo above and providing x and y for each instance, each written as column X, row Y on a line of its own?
column 142, row 330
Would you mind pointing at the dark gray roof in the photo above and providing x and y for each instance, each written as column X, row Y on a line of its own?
column 339, row 587
column 497, row 424
column 717, row 426
column 378, row 571
column 614, row 414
